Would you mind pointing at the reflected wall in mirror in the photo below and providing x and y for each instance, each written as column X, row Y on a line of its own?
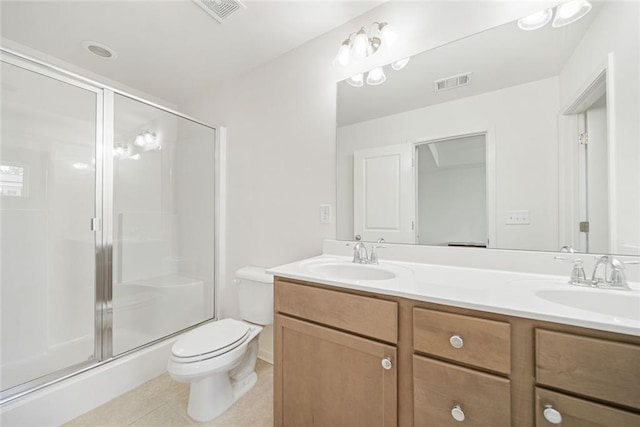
column 537, row 148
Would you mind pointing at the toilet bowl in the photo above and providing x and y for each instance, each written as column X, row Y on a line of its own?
column 218, row 359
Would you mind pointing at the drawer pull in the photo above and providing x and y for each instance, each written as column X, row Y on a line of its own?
column 386, row 363
column 456, row 341
column 552, row 415
column 457, row 413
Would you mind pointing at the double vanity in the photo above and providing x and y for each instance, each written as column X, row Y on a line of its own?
column 407, row 343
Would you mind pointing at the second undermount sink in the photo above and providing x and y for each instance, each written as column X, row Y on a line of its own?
column 620, row 304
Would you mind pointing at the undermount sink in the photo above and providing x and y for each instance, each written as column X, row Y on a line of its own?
column 620, row 304
column 353, row 271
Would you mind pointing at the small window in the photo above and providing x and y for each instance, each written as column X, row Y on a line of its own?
column 12, row 180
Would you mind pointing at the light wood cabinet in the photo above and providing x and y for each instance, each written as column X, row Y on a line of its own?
column 465, row 339
column 330, row 342
column 577, row 412
column 596, row 368
column 440, row 388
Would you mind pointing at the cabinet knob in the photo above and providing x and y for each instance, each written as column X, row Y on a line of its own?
column 552, row 415
column 457, row 413
column 386, row 363
column 456, row 341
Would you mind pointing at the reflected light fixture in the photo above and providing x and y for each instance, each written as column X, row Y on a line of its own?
column 147, row 140
column 400, row 64
column 536, row 20
column 570, row 12
column 376, row 76
column 360, row 45
column 356, row 81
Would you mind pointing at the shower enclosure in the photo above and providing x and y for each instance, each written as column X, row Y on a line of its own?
column 107, row 224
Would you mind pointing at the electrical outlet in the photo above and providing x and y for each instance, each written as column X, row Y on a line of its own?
column 517, row 218
column 325, row 214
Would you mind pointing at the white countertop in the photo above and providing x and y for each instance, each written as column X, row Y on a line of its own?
column 495, row 291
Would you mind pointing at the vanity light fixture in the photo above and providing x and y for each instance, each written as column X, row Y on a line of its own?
column 566, row 13
column 536, row 20
column 362, row 44
column 570, row 12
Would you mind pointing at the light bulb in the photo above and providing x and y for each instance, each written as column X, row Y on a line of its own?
column 400, row 64
column 570, row 12
column 344, row 54
column 360, row 44
column 149, row 137
column 536, row 20
column 139, row 141
column 388, row 36
column 356, row 81
column 376, row 77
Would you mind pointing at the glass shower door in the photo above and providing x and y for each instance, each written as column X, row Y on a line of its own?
column 163, row 223
column 48, row 196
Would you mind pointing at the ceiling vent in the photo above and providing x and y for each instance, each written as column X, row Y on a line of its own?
column 220, row 9
column 451, row 82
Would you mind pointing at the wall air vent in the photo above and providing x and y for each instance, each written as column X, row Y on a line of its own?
column 220, row 9
column 451, row 82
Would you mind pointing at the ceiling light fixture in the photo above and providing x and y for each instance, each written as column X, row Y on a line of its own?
column 570, row 12
column 536, row 20
column 360, row 45
column 100, row 50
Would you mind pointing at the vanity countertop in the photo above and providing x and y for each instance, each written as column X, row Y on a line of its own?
column 534, row 296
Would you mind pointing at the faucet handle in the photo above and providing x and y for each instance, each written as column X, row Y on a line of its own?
column 618, row 276
column 578, row 276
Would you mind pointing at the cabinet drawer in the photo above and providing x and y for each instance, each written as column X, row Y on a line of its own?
column 438, row 387
column 362, row 315
column 588, row 366
column 485, row 343
column 577, row 412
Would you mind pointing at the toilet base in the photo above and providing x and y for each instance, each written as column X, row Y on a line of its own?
column 213, row 395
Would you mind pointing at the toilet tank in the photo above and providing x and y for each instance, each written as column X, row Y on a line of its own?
column 255, row 295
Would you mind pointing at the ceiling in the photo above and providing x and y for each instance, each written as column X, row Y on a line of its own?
column 171, row 49
column 501, row 57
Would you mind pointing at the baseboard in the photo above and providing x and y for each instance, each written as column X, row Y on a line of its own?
column 267, row 356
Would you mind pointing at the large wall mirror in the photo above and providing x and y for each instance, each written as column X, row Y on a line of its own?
column 507, row 139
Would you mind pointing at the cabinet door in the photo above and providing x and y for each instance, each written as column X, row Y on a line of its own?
column 325, row 377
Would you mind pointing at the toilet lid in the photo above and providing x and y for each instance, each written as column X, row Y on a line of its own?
column 219, row 337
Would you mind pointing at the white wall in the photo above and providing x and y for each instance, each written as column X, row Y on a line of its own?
column 282, row 117
column 526, row 154
column 615, row 31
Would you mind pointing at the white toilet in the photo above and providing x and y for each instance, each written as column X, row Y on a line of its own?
column 219, row 358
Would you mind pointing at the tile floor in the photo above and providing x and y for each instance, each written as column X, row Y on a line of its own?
column 163, row 402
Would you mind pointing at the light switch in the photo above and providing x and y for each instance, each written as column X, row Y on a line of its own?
column 517, row 218
column 325, row 214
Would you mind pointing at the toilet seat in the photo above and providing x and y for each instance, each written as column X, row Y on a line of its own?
column 210, row 340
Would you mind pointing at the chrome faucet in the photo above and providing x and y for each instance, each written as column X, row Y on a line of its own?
column 360, row 255
column 608, row 273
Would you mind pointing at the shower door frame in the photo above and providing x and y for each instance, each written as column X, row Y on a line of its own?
column 103, row 220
